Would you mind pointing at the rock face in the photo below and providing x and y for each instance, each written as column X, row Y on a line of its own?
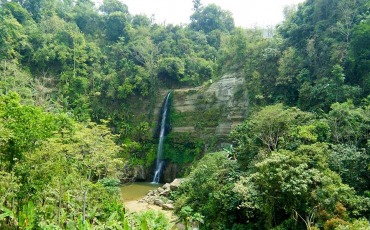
column 216, row 108
column 136, row 173
column 205, row 114
column 169, row 173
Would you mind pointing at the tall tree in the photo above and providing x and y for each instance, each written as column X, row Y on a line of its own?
column 210, row 18
column 111, row 6
column 116, row 25
column 197, row 5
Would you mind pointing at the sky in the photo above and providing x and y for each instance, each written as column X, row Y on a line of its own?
column 246, row 13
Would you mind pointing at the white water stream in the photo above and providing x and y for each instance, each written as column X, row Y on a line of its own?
column 159, row 162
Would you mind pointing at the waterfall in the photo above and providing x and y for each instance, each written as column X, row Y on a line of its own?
column 162, row 133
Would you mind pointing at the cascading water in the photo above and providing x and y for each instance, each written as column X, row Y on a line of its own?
column 159, row 162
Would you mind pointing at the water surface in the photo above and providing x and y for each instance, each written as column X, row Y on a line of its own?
column 137, row 190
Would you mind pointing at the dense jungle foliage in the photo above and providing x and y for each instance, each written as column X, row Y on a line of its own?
column 78, row 85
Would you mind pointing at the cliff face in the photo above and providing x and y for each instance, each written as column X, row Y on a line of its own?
column 201, row 120
column 214, row 109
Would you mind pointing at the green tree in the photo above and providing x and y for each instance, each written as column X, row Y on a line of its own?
column 87, row 19
column 14, row 79
column 8, row 191
column 146, row 53
column 270, row 128
column 289, row 183
column 349, row 124
column 321, row 40
column 360, row 56
column 29, row 125
column 141, row 20
column 198, row 70
column 116, row 25
column 63, row 187
column 18, row 12
column 197, row 5
column 172, row 69
column 12, row 37
column 111, row 6
column 327, row 90
column 39, row 8
column 289, row 73
column 208, row 191
column 352, row 165
column 211, row 17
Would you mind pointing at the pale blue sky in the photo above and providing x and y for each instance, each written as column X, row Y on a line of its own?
column 246, row 13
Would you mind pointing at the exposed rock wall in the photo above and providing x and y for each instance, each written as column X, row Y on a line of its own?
column 201, row 120
column 213, row 109
column 134, row 173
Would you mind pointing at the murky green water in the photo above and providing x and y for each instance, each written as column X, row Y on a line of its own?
column 137, row 190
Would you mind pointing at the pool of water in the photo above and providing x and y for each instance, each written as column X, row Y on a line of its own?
column 137, row 190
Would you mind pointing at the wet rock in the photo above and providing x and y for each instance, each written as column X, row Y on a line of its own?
column 170, row 172
column 140, row 173
column 133, row 173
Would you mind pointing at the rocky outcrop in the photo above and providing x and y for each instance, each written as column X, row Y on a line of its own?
column 133, row 173
column 170, row 172
column 223, row 104
column 175, row 184
column 205, row 114
column 160, row 196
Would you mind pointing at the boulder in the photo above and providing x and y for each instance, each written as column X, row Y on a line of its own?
column 165, row 193
column 180, row 226
column 168, row 206
column 160, row 190
column 166, row 186
column 158, row 202
column 175, row 184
